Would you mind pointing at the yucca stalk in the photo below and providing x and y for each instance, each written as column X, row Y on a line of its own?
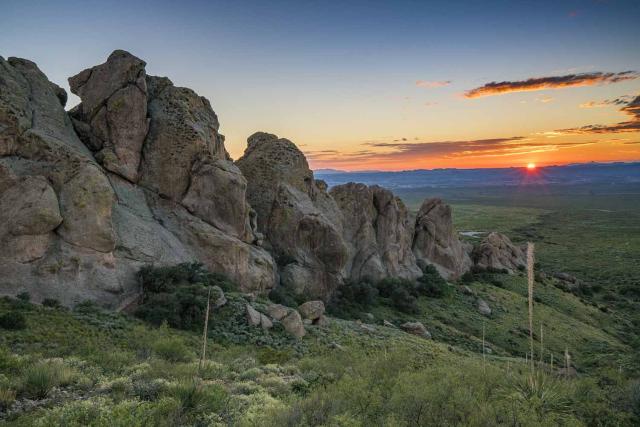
column 530, row 277
column 204, row 333
column 483, row 351
column 541, row 344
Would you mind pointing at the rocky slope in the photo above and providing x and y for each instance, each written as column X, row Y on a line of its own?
column 138, row 174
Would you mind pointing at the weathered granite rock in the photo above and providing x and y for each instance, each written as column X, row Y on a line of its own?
column 265, row 322
column 378, row 233
column 253, row 316
column 293, row 324
column 483, row 307
column 416, row 328
column 311, row 309
column 277, row 311
column 496, row 251
column 81, row 229
column 183, row 133
column 300, row 221
column 112, row 117
column 436, row 242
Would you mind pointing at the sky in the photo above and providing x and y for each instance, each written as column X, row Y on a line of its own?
column 384, row 85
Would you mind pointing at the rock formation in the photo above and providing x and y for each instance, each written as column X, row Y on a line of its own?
column 436, row 242
column 301, row 222
column 136, row 174
column 378, row 232
column 496, row 251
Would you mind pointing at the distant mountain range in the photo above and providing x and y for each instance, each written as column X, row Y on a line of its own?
column 580, row 173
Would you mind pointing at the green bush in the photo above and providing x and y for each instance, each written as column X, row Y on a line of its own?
column 194, row 397
column 51, row 302
column 177, row 295
column 172, row 350
column 352, row 298
column 13, row 320
column 24, row 296
column 431, row 284
column 39, row 379
column 402, row 300
column 281, row 295
column 7, row 397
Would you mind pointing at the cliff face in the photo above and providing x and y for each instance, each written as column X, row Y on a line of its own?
column 138, row 174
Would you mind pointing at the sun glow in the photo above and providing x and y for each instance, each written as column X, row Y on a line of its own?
column 531, row 166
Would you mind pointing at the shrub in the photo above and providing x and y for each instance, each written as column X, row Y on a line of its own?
column 352, row 298
column 634, row 397
column 269, row 355
column 13, row 320
column 7, row 397
column 24, row 296
column 387, row 286
column 404, row 301
column 39, row 379
column 172, row 350
column 51, row 302
column 195, row 398
column 177, row 295
column 431, row 284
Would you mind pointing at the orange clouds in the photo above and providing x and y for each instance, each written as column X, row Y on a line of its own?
column 632, row 108
column 553, row 82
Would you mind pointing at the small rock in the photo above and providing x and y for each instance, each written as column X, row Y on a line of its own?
column 307, row 322
column 312, row 309
column 293, row 324
column 217, row 297
column 483, row 307
column 467, row 290
column 335, row 345
column 277, row 311
column 370, row 316
column 368, row 328
column 416, row 328
column 265, row 322
column 321, row 321
column 387, row 323
column 253, row 316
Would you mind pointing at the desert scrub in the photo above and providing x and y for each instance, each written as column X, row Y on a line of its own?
column 172, row 350
column 13, row 321
column 39, row 379
column 196, row 398
column 7, row 397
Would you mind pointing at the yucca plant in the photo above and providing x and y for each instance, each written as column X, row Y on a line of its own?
column 7, row 397
column 39, row 379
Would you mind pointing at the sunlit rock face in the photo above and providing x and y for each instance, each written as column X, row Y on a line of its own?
column 136, row 174
column 436, row 242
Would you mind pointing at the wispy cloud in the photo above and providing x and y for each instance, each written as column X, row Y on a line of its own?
column 623, row 100
column 631, row 108
column 430, row 84
column 545, row 99
column 552, row 82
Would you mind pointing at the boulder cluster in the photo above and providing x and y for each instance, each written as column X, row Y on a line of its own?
column 138, row 174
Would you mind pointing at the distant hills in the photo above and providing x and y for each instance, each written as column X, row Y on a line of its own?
column 579, row 173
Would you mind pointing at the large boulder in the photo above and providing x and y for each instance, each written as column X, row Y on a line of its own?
column 436, row 242
column 301, row 223
column 496, row 251
column 112, row 117
column 378, row 233
column 80, row 216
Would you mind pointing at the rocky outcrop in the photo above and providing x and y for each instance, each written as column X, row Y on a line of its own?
column 497, row 252
column 300, row 221
column 416, row 328
column 311, row 310
column 436, row 242
column 378, row 233
column 112, row 117
column 138, row 175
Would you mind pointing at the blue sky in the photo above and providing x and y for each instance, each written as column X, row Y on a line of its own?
column 334, row 76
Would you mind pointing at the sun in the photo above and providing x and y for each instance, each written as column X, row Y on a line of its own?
column 531, row 166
